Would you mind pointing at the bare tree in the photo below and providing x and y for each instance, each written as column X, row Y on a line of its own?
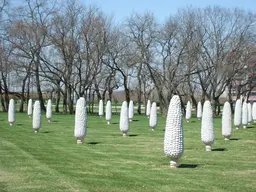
column 120, row 58
column 142, row 33
column 28, row 34
column 224, row 31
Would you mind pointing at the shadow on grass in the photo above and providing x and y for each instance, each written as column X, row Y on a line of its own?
column 46, row 132
column 188, row 166
column 250, row 127
column 92, row 143
column 114, row 123
column 133, row 135
column 234, row 139
column 135, row 120
column 219, row 149
column 54, row 121
column 19, row 124
column 3, row 187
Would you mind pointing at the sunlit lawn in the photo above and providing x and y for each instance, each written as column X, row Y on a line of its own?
column 52, row 161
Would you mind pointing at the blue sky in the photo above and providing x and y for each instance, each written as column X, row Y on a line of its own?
column 121, row 9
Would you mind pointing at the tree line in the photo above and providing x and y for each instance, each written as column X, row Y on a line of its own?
column 74, row 50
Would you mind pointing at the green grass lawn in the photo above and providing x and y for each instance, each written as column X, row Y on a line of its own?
column 52, row 161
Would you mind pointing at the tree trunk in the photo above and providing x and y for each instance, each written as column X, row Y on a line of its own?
column 93, row 97
column 110, row 93
column 22, row 99
column 194, row 102
column 140, row 89
column 70, row 100
column 216, row 106
column 230, row 97
column 65, row 110
column 163, row 105
column 1, row 98
column 139, row 101
column 38, row 85
column 6, row 93
column 28, row 90
column 126, row 89
column 57, row 110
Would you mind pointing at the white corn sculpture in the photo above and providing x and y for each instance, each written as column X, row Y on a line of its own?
column 238, row 114
column 153, row 117
column 108, row 112
column 245, row 115
column 188, row 111
column 207, row 126
column 148, row 108
column 101, row 113
column 131, row 113
column 199, row 110
column 11, row 112
column 37, row 116
column 49, row 110
column 80, row 121
column 30, row 108
column 173, row 138
column 227, row 121
column 124, row 121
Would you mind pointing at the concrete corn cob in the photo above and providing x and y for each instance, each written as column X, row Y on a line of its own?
column 11, row 112
column 207, row 127
column 37, row 116
column 124, row 121
column 80, row 120
column 153, row 117
column 173, row 138
column 227, row 121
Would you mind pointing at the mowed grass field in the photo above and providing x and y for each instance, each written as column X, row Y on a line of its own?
column 52, row 161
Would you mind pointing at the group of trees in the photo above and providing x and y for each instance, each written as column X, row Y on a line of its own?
column 70, row 50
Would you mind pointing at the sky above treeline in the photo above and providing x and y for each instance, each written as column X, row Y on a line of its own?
column 162, row 9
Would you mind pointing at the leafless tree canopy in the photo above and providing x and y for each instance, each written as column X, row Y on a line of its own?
column 64, row 50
